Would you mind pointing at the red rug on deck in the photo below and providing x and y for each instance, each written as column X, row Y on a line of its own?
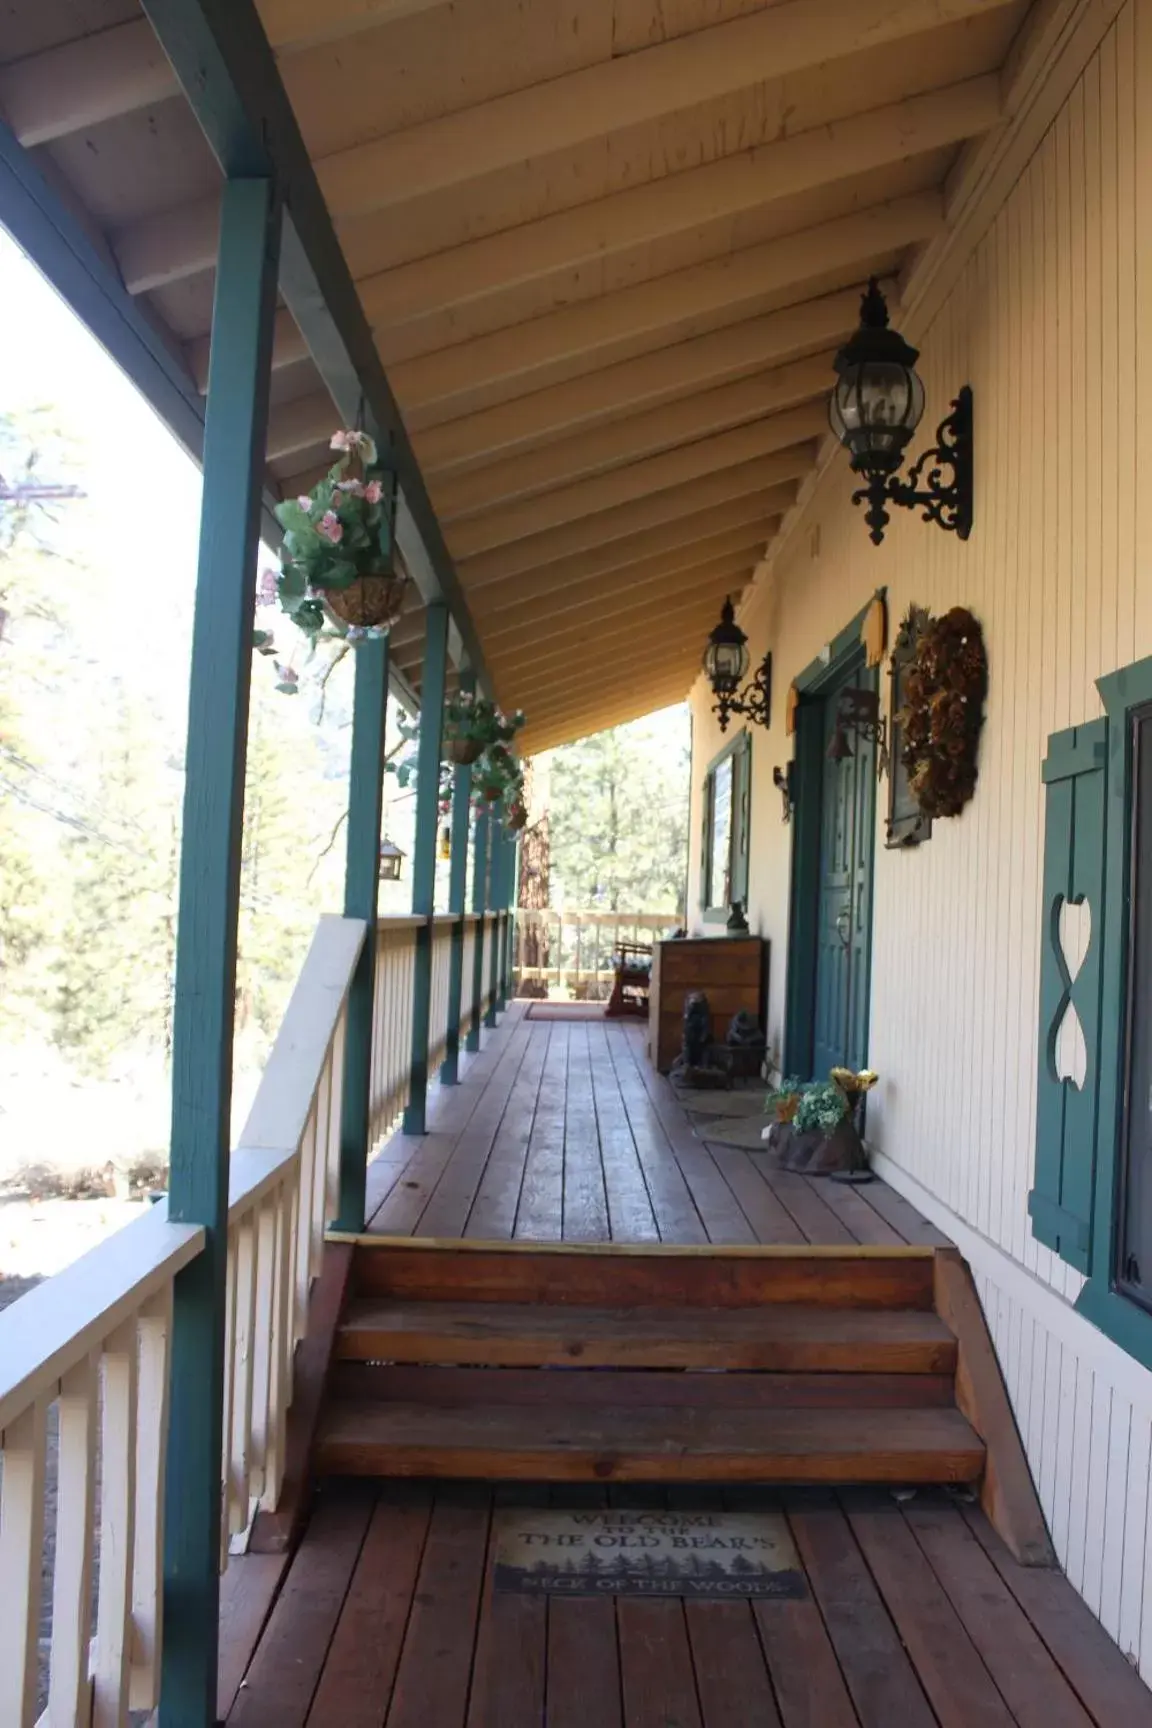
column 565, row 1011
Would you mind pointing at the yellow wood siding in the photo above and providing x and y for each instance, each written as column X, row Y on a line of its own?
column 1051, row 324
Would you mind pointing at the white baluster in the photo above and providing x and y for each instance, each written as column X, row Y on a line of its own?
column 70, row 1689
column 154, row 1330
column 244, row 1322
column 113, row 1650
column 21, row 1543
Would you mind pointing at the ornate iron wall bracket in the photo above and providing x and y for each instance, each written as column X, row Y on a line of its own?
column 754, row 702
column 945, row 496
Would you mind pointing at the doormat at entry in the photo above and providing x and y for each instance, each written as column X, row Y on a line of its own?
column 746, row 1131
column 722, row 1555
column 565, row 1011
column 723, row 1103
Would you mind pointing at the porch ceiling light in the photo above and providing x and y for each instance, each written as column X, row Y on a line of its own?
column 391, row 858
column 874, row 410
column 725, row 663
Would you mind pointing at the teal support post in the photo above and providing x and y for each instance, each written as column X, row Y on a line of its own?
column 506, row 980
column 361, row 900
column 498, row 844
column 205, row 996
column 424, row 852
column 457, row 885
column 479, row 903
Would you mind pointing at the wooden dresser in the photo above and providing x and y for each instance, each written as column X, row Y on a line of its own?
column 732, row 971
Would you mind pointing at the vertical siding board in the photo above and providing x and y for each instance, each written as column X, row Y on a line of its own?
column 1059, row 1506
column 1126, row 214
column 1096, row 1481
column 1135, row 1564
column 1115, row 1504
column 1143, row 348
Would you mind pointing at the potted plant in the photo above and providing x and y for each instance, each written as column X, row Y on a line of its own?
column 473, row 724
column 338, row 564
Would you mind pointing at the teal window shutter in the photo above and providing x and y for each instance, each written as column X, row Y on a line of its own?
column 1067, row 1115
column 741, row 816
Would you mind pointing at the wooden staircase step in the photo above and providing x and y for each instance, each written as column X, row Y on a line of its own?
column 406, row 1384
column 658, row 1444
column 597, row 1276
column 778, row 1336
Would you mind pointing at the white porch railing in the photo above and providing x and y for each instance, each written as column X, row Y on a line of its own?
column 91, row 1345
column 571, row 951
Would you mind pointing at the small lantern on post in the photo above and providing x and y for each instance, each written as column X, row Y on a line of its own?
column 725, row 664
column 391, row 858
column 874, row 410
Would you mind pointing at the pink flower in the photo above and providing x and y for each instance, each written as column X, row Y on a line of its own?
column 304, row 501
column 342, row 440
column 331, row 527
column 266, row 588
column 286, row 674
column 355, row 443
column 373, row 491
column 354, row 488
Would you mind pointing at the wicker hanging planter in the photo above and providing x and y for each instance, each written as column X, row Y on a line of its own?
column 462, row 751
column 372, row 602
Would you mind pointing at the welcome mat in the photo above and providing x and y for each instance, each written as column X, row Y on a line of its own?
column 565, row 1011
column 725, row 1103
column 745, row 1131
column 619, row 1553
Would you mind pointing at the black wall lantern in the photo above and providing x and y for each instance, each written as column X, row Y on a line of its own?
column 391, row 858
column 874, row 410
column 726, row 662
column 858, row 713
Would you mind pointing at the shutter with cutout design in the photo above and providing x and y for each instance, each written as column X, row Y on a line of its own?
column 1060, row 1204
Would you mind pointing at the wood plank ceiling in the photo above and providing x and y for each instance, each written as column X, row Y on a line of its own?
column 607, row 247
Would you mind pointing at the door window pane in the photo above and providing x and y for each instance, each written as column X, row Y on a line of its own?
column 720, row 864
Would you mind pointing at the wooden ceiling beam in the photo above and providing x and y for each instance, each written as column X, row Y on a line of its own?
column 625, row 485
column 577, row 621
column 288, row 349
column 673, row 543
column 677, row 203
column 605, row 527
column 297, row 426
column 671, row 670
column 570, row 718
column 579, row 107
column 632, row 385
column 520, row 358
column 553, row 659
column 632, row 439
column 656, row 586
column 107, row 73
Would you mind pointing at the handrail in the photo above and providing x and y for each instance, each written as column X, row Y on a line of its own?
column 94, row 1342
column 569, row 947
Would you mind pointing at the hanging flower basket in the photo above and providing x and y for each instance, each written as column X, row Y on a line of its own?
column 463, row 751
column 338, row 574
column 372, row 602
column 490, row 790
column 517, row 819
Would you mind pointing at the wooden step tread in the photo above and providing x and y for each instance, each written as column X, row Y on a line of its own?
column 661, row 1444
column 779, row 1337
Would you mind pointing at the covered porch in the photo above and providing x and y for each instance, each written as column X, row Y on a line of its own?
column 578, row 270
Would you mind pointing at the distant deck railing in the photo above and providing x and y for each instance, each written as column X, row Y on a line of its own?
column 571, row 952
column 89, row 1348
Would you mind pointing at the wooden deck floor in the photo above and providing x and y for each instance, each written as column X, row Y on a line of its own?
column 916, row 1616
column 563, row 1131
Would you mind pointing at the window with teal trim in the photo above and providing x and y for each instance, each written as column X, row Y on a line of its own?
column 1091, row 1199
column 724, row 848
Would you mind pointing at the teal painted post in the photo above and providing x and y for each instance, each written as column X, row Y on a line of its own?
column 479, row 902
column 498, row 847
column 424, row 852
column 507, row 984
column 234, row 443
column 457, row 885
column 361, row 900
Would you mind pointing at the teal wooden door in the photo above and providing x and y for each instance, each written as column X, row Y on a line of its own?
column 844, row 897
